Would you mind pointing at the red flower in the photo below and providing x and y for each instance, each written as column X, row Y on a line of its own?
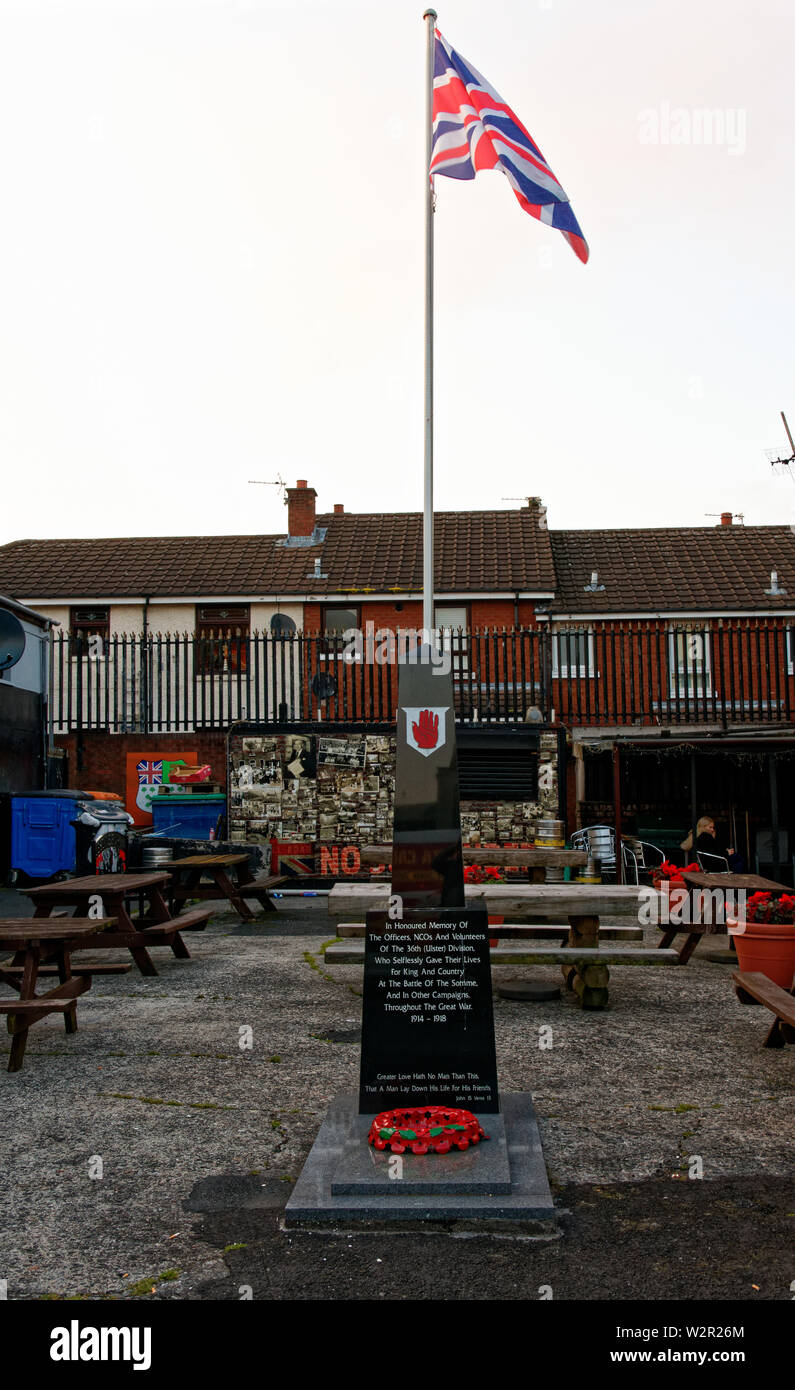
column 763, row 907
column 668, row 870
column 473, row 874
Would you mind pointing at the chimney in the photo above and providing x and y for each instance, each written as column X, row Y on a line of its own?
column 339, row 508
column 537, row 509
column 300, row 509
column 726, row 518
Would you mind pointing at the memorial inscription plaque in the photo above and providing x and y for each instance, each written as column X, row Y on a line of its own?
column 427, row 1019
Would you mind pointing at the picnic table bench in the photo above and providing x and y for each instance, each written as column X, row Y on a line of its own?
column 583, row 960
column 534, row 860
column 693, row 931
column 187, row 875
column 523, row 931
column 35, row 943
column 752, row 987
column 156, row 928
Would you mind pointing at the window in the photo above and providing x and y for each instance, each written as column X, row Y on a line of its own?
column 221, row 638
column 572, row 653
column 689, row 664
column 790, row 653
column 89, row 622
column 449, row 619
column 335, row 621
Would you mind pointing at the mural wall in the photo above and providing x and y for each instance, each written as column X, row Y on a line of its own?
column 330, row 794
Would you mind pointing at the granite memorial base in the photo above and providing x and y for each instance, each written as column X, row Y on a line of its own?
column 499, row 1184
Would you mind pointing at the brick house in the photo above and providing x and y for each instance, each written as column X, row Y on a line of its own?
column 648, row 650
column 678, row 686
column 491, row 569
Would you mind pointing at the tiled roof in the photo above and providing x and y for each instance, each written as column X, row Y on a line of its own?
column 694, row 569
column 498, row 551
column 680, row 569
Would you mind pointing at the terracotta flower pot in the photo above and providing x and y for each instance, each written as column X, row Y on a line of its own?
column 766, row 947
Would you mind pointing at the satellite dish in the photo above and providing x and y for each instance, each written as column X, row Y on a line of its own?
column 12, row 639
column 324, row 686
column 282, row 625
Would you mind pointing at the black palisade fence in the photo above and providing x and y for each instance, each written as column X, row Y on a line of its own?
column 602, row 674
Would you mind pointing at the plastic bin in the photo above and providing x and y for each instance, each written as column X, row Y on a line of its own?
column 67, row 831
column 42, row 834
column 191, row 816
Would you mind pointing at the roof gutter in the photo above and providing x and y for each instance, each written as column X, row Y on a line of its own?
column 29, row 614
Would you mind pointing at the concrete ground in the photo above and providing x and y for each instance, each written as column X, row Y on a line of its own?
column 150, row 1155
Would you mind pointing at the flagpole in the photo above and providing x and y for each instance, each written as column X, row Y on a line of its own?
column 427, row 525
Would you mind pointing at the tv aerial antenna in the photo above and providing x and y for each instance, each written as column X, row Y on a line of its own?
column 278, row 481
column 783, row 466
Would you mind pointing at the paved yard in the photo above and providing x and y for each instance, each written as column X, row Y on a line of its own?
column 200, row 1139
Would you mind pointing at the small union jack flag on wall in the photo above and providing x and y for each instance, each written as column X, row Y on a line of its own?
column 474, row 129
column 150, row 773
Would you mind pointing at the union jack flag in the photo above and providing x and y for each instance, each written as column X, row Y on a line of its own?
column 474, row 129
column 150, row 773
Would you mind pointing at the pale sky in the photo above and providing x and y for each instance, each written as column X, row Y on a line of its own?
column 211, row 264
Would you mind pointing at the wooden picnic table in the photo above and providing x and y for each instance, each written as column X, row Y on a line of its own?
column 583, row 961
column 35, row 943
column 693, row 931
column 534, row 860
column 108, row 893
column 747, row 882
column 511, row 900
column 187, row 875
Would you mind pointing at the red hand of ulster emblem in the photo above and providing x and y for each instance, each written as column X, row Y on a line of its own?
column 426, row 733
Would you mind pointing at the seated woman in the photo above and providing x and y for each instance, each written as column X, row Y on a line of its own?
column 707, row 843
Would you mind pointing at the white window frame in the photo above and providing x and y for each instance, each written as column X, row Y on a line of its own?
column 689, row 674
column 790, row 652
column 453, row 637
column 564, row 670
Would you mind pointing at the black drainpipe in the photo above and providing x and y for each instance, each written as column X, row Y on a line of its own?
column 145, row 701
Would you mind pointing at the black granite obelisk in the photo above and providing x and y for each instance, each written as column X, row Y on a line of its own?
column 427, row 1024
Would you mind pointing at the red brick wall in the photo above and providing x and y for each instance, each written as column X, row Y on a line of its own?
column 301, row 509
column 500, row 613
column 484, row 613
column 104, row 760
column 387, row 615
column 631, row 660
column 312, row 616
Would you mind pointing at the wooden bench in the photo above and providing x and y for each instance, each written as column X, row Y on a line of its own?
column 523, row 931
column 84, row 968
column 754, row 988
column 584, row 969
column 194, row 918
column 578, row 904
column 517, row 901
column 169, row 933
